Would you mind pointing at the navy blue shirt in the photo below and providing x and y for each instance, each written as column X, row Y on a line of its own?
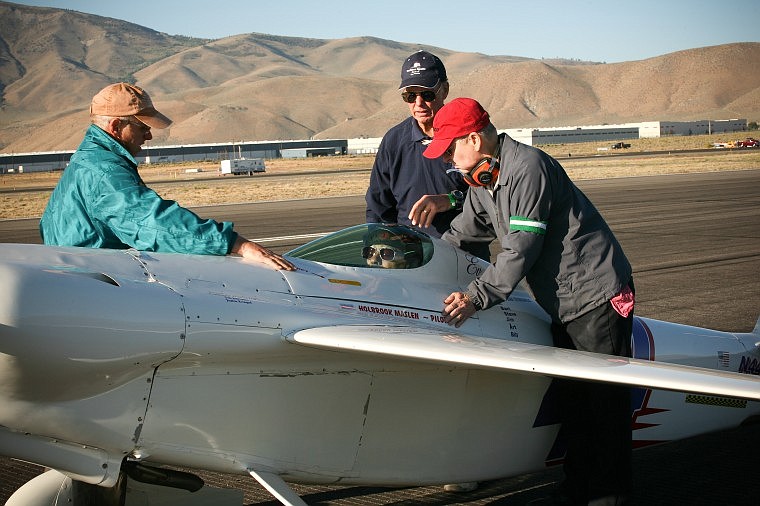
column 401, row 175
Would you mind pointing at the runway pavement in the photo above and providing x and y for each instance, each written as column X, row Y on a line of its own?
column 694, row 242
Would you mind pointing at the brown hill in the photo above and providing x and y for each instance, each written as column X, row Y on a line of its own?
column 266, row 87
column 718, row 82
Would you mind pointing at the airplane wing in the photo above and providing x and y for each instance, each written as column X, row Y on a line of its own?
column 468, row 350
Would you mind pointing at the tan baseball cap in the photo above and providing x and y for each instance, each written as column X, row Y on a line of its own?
column 123, row 99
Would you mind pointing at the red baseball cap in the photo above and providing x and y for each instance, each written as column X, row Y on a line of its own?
column 456, row 119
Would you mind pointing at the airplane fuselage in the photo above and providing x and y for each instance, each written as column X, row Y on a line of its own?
column 190, row 361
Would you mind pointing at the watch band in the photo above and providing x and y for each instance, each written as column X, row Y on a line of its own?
column 456, row 198
column 474, row 300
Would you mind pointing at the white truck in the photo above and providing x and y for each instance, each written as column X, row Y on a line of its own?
column 242, row 166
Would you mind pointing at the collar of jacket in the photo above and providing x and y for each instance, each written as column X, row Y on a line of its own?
column 100, row 137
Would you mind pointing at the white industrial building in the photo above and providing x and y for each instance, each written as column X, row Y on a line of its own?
column 57, row 160
column 590, row 133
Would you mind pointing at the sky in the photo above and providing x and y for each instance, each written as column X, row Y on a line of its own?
column 606, row 31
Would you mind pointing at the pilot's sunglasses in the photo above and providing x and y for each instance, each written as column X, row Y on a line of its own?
column 411, row 96
column 385, row 253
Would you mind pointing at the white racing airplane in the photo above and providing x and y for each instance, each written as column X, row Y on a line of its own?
column 122, row 371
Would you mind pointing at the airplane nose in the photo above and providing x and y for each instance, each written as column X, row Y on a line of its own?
column 65, row 333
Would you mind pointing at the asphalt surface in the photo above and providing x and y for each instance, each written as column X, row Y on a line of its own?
column 694, row 242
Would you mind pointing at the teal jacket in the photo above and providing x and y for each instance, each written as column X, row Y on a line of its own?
column 102, row 202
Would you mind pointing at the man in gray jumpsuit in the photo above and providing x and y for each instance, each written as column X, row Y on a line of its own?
column 554, row 237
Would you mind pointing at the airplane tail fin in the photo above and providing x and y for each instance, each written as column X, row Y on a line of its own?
column 752, row 341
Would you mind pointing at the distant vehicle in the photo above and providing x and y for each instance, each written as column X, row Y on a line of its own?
column 238, row 166
column 749, row 142
column 621, row 145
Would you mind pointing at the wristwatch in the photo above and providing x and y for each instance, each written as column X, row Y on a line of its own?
column 475, row 302
column 456, row 198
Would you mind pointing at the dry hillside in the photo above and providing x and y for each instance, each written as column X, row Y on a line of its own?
column 265, row 87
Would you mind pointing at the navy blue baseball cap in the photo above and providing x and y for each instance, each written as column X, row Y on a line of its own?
column 422, row 69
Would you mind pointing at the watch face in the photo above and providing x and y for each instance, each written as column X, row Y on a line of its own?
column 457, row 195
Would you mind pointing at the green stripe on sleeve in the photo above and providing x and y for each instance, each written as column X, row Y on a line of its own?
column 527, row 225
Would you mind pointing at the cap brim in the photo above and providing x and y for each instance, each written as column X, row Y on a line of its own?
column 436, row 148
column 419, row 83
column 153, row 119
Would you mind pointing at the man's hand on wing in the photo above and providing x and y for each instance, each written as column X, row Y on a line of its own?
column 250, row 250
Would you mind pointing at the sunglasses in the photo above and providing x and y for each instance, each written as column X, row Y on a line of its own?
column 385, row 253
column 139, row 124
column 453, row 147
column 411, row 96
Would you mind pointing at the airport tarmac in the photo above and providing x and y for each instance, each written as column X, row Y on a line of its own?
column 694, row 242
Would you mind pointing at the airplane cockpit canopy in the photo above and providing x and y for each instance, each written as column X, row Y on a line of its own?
column 375, row 245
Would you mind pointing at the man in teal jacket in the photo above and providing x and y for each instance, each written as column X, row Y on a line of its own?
column 102, row 202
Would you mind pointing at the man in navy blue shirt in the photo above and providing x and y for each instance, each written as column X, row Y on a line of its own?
column 406, row 187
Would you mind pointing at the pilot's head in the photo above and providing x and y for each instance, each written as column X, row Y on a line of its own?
column 391, row 249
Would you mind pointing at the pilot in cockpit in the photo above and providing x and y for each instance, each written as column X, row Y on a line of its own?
column 391, row 248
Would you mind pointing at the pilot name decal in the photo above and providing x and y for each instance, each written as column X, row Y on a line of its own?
column 436, row 318
column 398, row 313
column 404, row 313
